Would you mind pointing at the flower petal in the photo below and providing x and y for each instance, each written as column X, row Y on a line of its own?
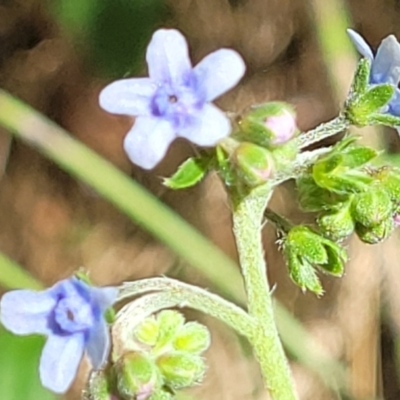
column 219, row 72
column 211, row 125
column 25, row 311
column 386, row 66
column 168, row 56
column 104, row 297
column 360, row 44
column 60, row 360
column 394, row 104
column 98, row 345
column 128, row 96
column 147, row 142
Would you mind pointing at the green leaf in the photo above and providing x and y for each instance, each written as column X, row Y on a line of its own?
column 360, row 109
column 384, row 119
column 358, row 156
column 19, row 367
column 189, row 173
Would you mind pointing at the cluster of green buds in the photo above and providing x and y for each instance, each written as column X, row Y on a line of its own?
column 351, row 195
column 163, row 356
column 261, row 143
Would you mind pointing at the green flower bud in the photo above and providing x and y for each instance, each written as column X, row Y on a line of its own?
column 192, row 338
column 181, row 370
column 304, row 250
column 268, row 125
column 254, row 164
column 137, row 376
column 304, row 275
column 377, row 233
column 389, row 177
column 147, row 331
column 306, row 244
column 372, row 207
column 337, row 224
column 170, row 322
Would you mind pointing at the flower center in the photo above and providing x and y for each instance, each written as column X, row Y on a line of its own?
column 177, row 103
column 73, row 314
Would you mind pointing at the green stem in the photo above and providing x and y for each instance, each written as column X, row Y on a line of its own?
column 194, row 297
column 323, row 131
column 281, row 224
column 247, row 221
column 135, row 312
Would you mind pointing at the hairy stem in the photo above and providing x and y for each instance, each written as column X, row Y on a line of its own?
column 247, row 222
column 323, row 131
column 194, row 297
column 177, row 295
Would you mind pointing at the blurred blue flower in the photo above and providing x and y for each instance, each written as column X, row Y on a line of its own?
column 175, row 99
column 385, row 65
column 71, row 314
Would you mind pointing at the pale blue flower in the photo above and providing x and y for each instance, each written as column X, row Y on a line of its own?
column 71, row 315
column 385, row 65
column 175, row 100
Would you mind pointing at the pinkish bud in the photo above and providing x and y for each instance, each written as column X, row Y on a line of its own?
column 283, row 126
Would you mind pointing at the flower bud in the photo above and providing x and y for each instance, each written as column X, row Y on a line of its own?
column 372, row 207
column 337, row 224
column 169, row 323
column 181, row 370
column 304, row 250
column 147, row 331
column 192, row 338
column 269, row 124
column 137, row 376
column 254, row 164
column 377, row 233
column 389, row 177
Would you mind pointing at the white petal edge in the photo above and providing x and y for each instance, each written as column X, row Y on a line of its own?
column 128, row 96
column 219, row 72
column 168, row 56
column 24, row 312
column 147, row 142
column 60, row 360
column 387, row 61
column 98, row 345
column 210, row 126
column 360, row 44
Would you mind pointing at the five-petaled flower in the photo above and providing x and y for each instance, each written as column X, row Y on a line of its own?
column 175, row 100
column 385, row 66
column 71, row 314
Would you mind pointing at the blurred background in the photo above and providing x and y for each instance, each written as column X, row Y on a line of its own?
column 58, row 54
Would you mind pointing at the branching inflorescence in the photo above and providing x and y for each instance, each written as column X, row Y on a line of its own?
column 346, row 187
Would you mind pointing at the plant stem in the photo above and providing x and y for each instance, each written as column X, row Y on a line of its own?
column 193, row 296
column 133, row 313
column 247, row 221
column 323, row 131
